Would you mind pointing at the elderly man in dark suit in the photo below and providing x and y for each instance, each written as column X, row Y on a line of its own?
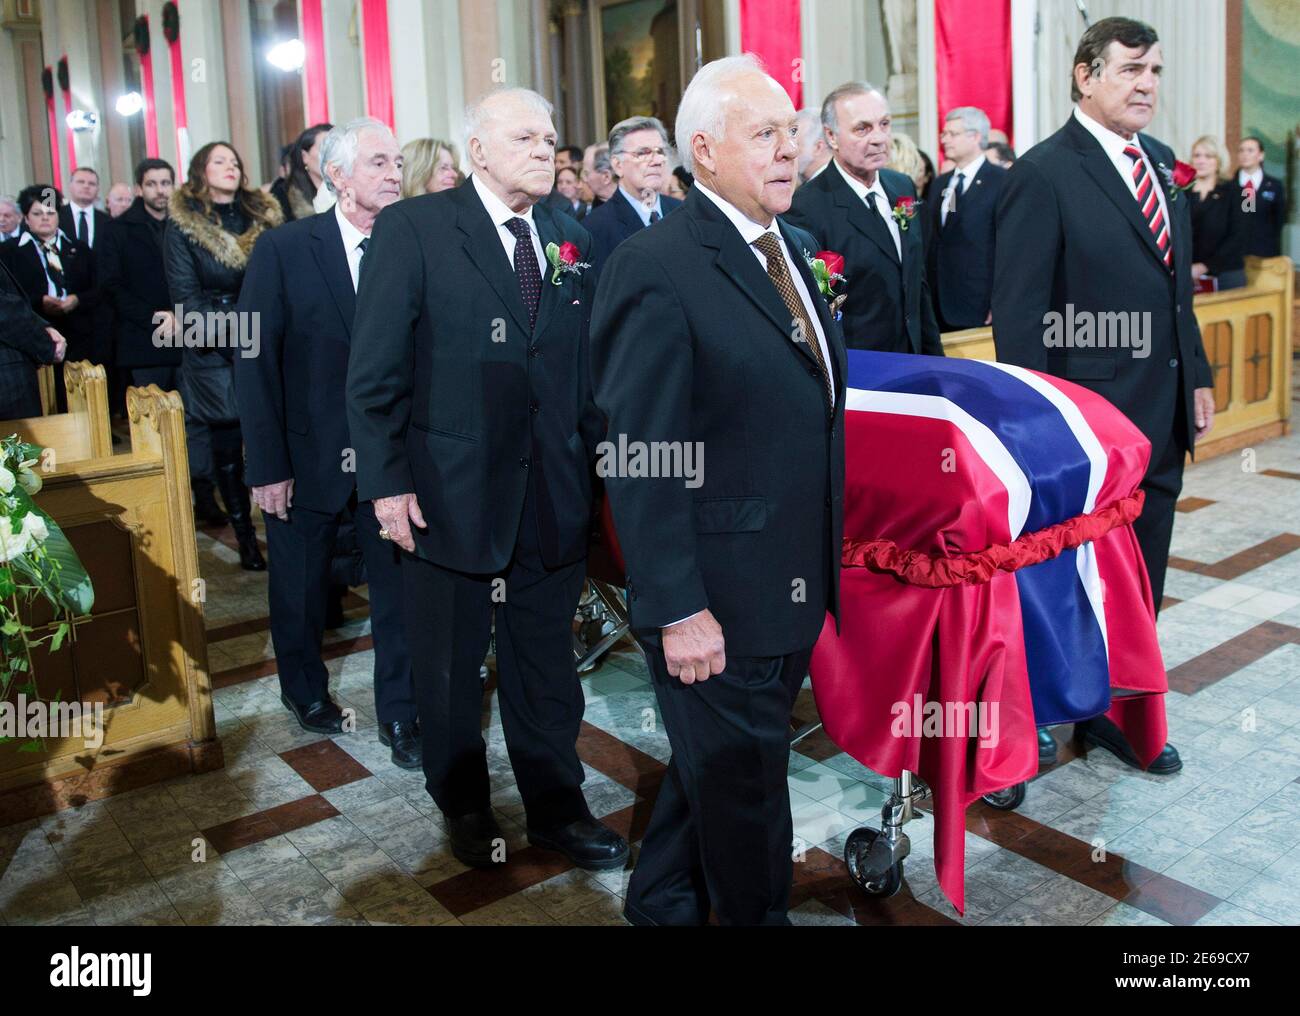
column 710, row 334
column 470, row 409
column 963, row 224
column 301, row 281
column 638, row 154
column 26, row 341
column 1091, row 227
column 859, row 209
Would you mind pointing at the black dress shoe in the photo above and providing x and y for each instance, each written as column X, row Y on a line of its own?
column 322, row 717
column 404, row 739
column 586, row 842
column 475, row 838
column 1047, row 751
column 1103, row 733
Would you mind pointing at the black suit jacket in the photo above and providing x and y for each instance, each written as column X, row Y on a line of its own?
column 615, row 221
column 69, row 224
column 692, row 344
column 452, row 397
column 960, row 267
column 129, row 258
column 1266, row 222
column 1220, row 229
column 888, row 305
column 293, row 395
column 1071, row 235
column 24, row 344
column 86, row 328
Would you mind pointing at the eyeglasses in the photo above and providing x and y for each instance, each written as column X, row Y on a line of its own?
column 946, row 134
column 642, row 154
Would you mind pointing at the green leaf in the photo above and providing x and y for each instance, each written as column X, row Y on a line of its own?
column 59, row 572
column 30, row 746
column 60, row 633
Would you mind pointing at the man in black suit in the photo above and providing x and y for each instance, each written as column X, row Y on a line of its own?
column 301, row 282
column 1263, row 199
column 26, row 341
column 849, row 208
column 710, row 334
column 470, row 410
column 79, row 218
column 638, row 152
column 598, row 174
column 1089, row 227
column 964, row 224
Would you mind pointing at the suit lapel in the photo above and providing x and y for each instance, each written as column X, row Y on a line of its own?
column 327, row 248
column 1102, row 170
column 820, row 308
column 483, row 247
column 549, row 232
column 862, row 217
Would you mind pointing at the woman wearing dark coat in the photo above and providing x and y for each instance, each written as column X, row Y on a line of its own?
column 1220, row 229
column 215, row 218
column 296, row 190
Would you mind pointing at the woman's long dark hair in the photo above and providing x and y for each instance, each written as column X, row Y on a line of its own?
column 298, row 176
column 195, row 187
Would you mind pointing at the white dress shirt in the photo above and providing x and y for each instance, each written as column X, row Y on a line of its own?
column 352, row 238
column 641, row 209
column 1256, row 177
column 50, row 288
column 881, row 200
column 500, row 213
column 1114, row 145
column 968, row 174
column 89, row 211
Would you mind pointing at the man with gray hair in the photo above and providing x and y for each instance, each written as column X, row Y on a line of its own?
column 814, row 153
column 473, row 424
column 867, row 213
column 301, row 282
column 598, row 174
column 11, row 219
column 638, row 153
column 964, row 223
column 710, row 333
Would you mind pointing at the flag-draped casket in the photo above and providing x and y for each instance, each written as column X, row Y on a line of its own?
column 992, row 577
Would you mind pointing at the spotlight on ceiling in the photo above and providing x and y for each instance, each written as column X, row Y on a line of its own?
column 130, row 104
column 81, row 120
column 287, row 56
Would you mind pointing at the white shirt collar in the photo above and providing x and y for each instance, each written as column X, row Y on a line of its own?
column 29, row 237
column 749, row 229
column 640, row 207
column 1257, row 176
column 498, row 211
column 351, row 235
column 861, row 189
column 971, row 171
column 1113, row 143
column 88, row 209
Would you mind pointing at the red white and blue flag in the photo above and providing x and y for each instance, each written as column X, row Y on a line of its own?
column 989, row 559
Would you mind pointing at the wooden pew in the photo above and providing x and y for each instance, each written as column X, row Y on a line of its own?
column 1247, row 336
column 83, row 431
column 142, row 652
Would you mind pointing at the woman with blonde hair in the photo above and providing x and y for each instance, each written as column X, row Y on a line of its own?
column 429, row 165
column 1219, row 226
column 905, row 157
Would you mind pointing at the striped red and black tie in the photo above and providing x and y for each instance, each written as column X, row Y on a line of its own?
column 1149, row 204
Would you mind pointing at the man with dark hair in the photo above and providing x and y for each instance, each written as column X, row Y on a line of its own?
column 1262, row 198
column 1090, row 227
column 79, row 218
column 566, row 157
column 1000, row 153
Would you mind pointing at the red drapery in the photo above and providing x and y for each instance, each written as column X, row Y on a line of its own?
column 178, row 98
column 56, row 168
column 142, row 48
column 313, row 40
column 770, row 30
column 67, row 111
column 379, row 75
column 972, row 44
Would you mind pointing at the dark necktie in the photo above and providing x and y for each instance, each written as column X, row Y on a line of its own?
column 770, row 247
column 527, row 270
column 655, row 216
column 874, row 201
column 362, row 244
column 83, row 230
column 1149, row 203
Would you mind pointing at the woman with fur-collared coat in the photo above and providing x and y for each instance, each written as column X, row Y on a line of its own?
column 215, row 219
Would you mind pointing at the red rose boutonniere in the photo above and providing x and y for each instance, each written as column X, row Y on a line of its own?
column 905, row 211
column 827, row 268
column 564, row 259
column 1179, row 180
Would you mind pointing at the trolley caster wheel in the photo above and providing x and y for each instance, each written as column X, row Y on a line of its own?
column 855, row 851
column 1006, row 800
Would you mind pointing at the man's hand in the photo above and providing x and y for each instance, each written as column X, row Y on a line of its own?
column 70, row 303
column 60, row 344
column 695, row 649
column 1203, row 399
column 1199, row 269
column 396, row 515
column 274, row 498
column 52, row 305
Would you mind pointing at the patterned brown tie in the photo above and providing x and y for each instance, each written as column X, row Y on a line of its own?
column 770, row 247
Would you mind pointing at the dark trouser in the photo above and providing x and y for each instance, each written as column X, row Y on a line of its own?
column 1155, row 526
column 301, row 552
column 198, row 439
column 721, row 832
column 448, row 625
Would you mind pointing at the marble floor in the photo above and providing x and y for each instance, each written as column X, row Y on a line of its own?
column 302, row 829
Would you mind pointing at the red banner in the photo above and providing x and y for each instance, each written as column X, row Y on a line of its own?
column 72, row 135
column 379, row 74
column 972, row 47
column 313, row 41
column 56, row 168
column 770, row 30
column 178, row 100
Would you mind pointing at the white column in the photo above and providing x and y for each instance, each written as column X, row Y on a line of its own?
column 160, row 58
column 341, row 24
column 428, row 93
column 843, row 40
column 927, row 86
column 15, row 140
column 203, row 62
column 68, row 28
column 1024, row 73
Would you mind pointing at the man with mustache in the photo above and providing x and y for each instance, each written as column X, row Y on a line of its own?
column 1089, row 220
column 302, row 281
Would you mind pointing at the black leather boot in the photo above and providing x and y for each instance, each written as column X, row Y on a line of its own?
column 230, row 478
column 206, row 510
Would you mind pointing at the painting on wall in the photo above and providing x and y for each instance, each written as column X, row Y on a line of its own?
column 636, row 50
